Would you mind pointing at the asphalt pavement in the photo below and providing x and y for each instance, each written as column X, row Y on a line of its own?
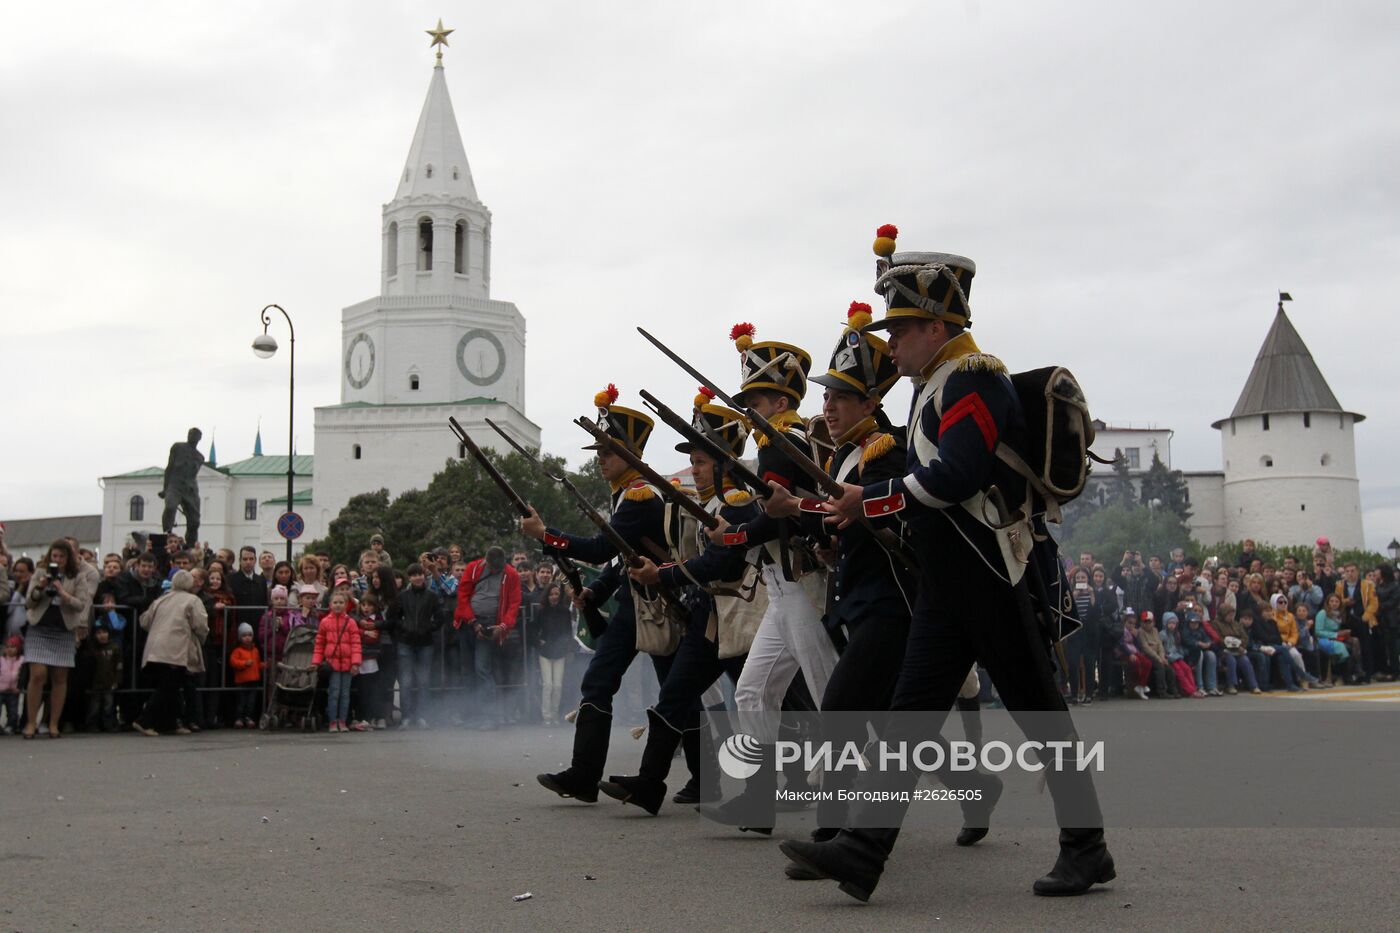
column 441, row 830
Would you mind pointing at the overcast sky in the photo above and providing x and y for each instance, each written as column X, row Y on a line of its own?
column 1135, row 182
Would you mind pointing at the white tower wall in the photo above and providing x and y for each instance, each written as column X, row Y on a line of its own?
column 1293, row 482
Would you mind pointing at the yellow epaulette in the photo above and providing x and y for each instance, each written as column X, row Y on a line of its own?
column 827, row 465
column 784, row 424
column 980, row 363
column 738, row 497
column 641, row 492
column 878, row 446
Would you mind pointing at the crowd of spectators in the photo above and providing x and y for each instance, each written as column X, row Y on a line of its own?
column 167, row 638
column 1169, row 628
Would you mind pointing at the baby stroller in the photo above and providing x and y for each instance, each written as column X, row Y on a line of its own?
column 294, row 692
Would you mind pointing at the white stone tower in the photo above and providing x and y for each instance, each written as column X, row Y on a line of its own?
column 433, row 343
column 1290, row 451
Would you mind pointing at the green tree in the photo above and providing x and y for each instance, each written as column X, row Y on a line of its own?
column 1166, row 486
column 1117, row 527
column 1121, row 491
column 461, row 505
column 350, row 531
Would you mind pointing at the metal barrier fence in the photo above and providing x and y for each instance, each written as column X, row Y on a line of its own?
column 516, row 673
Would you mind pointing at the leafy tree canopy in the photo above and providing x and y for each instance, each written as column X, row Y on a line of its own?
column 462, row 506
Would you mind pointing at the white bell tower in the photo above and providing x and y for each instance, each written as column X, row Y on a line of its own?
column 433, row 343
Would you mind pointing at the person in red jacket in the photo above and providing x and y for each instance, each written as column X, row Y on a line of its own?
column 488, row 600
column 338, row 644
column 247, row 672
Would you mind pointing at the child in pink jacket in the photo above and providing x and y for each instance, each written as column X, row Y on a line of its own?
column 338, row 644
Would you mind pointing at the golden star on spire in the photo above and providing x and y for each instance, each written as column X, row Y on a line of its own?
column 439, row 37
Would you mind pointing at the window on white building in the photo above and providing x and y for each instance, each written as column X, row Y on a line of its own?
column 250, row 510
column 136, row 509
column 425, row 245
column 1134, row 456
column 1326, row 459
column 1307, row 420
column 393, row 248
column 1266, row 422
column 1266, row 461
column 413, row 383
column 355, row 451
column 459, row 249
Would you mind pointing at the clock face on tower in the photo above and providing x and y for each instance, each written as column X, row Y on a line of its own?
column 480, row 357
column 359, row 361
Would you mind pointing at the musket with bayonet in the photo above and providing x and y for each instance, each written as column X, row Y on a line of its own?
column 732, row 465
column 663, row 485
column 825, row 483
column 592, row 617
column 628, row 553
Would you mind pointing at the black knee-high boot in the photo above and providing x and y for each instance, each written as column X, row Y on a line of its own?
column 647, row 789
column 580, row 780
column 703, row 785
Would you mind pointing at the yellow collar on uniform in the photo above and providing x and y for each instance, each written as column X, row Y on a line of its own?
column 625, row 480
column 858, row 433
column 960, row 346
column 783, row 422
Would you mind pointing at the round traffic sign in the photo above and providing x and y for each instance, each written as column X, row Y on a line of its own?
column 290, row 525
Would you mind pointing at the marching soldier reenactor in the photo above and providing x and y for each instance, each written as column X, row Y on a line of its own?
column 871, row 598
column 983, row 590
column 729, row 601
column 790, row 637
column 638, row 518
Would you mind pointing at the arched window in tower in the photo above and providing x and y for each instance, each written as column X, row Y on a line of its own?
column 413, row 383
column 1307, row 420
column 136, row 509
column 459, row 249
column 355, row 451
column 392, row 255
column 486, row 254
column 1266, row 422
column 425, row 244
column 1266, row 461
column 428, row 170
column 456, row 173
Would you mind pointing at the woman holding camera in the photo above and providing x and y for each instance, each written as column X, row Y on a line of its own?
column 59, row 603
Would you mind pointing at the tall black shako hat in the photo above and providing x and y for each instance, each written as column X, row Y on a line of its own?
column 861, row 362
column 724, row 427
column 628, row 425
column 779, row 367
column 921, row 286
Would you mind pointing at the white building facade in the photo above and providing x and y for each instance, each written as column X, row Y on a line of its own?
column 432, row 344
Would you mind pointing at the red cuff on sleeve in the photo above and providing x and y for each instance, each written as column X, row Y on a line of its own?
column 887, row 505
column 778, row 478
column 810, row 505
column 556, row 542
column 736, row 538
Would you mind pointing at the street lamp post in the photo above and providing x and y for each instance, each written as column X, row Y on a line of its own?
column 265, row 346
column 1394, row 548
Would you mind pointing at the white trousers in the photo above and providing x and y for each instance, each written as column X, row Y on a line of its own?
column 790, row 637
column 551, row 684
